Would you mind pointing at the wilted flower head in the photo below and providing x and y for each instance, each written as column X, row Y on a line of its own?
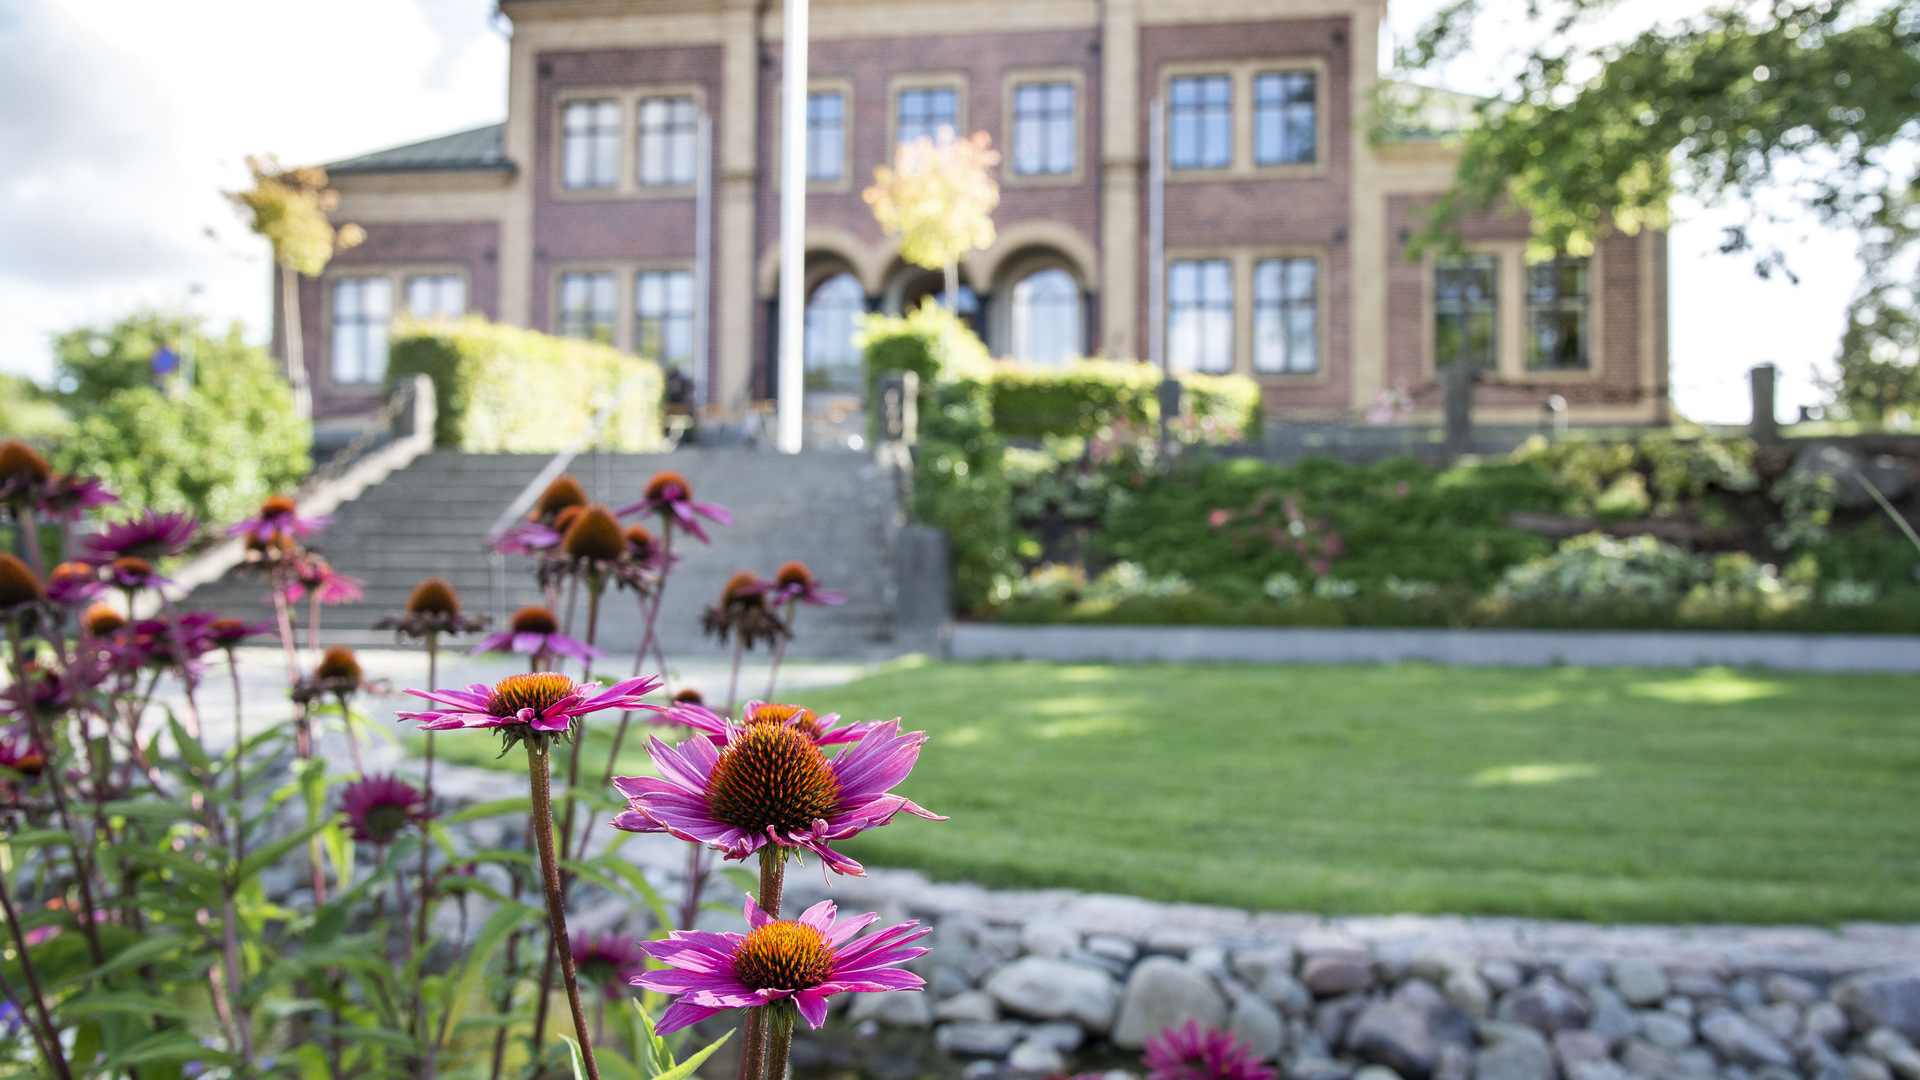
column 743, row 610
column 804, row 961
column 669, row 495
column 74, row 583
column 642, row 545
column 433, row 607
column 337, row 675
column 793, row 581
column 609, row 961
column 543, row 701
column 378, row 808
column 1189, row 1053
column 771, row 783
column 151, row 536
column 20, row 587
column 535, row 632
column 23, row 472
column 565, row 491
column 279, row 518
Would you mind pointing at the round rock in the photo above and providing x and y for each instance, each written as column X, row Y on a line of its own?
column 1163, row 993
column 1046, row 989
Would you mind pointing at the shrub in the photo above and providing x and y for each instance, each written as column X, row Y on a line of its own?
column 1595, row 568
column 932, row 342
column 501, row 389
column 960, row 485
column 1081, row 399
column 216, row 448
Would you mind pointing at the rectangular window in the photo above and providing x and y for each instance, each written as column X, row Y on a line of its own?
column 1200, row 315
column 1286, row 316
column 1284, row 130
column 436, row 296
column 663, row 317
column 1200, row 122
column 925, row 112
column 1043, row 129
column 361, row 308
column 666, row 141
column 1557, row 331
column 826, row 135
column 1466, row 311
column 590, row 144
column 586, row 307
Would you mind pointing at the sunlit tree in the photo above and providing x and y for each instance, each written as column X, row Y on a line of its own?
column 289, row 207
column 1814, row 100
column 938, row 198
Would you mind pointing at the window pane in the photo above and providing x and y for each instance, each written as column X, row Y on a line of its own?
column 667, row 138
column 1043, row 129
column 590, row 143
column 1283, row 118
column 826, row 138
column 1200, row 123
column 833, row 313
column 1557, row 315
column 361, row 307
column 436, row 296
column 925, row 112
column 1466, row 311
column 1200, row 315
column 1046, row 318
column 1286, row 316
column 586, row 306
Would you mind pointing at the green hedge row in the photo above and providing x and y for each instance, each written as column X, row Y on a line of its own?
column 1083, row 398
column 502, row 389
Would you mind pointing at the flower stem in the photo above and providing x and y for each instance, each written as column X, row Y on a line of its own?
column 239, row 777
column 425, row 885
column 779, row 1039
column 50, row 1037
column 538, row 774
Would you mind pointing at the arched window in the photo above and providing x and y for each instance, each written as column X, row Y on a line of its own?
column 1046, row 318
column 833, row 312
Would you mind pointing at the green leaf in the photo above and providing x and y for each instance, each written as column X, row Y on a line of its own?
column 498, row 926
column 747, row 881
column 686, row 1068
column 104, row 1002
column 33, row 838
column 190, row 748
column 145, row 951
column 644, row 889
column 267, row 856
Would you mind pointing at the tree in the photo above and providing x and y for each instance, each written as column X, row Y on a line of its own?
column 1819, row 96
column 289, row 207
column 216, row 448
column 938, row 198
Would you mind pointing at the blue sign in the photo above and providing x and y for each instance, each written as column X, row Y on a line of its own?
column 165, row 361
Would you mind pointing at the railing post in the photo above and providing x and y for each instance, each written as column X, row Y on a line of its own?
column 1764, row 426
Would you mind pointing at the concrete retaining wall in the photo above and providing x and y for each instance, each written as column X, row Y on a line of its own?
column 1511, row 648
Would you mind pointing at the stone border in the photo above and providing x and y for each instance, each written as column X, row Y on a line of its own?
column 1469, row 648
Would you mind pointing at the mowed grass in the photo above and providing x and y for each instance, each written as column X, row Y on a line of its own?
column 1627, row 795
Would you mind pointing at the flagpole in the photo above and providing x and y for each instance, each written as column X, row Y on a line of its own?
column 793, row 226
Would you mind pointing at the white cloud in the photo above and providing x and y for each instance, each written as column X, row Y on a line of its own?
column 121, row 121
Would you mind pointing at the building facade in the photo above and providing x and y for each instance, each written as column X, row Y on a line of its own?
column 1285, row 235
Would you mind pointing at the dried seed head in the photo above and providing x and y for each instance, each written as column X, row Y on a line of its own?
column 793, row 572
column 669, row 485
column 433, row 596
column 741, row 588
column 534, row 620
column 564, row 520
column 338, row 662
column 640, row 542
column 22, row 464
column 689, row 696
column 595, row 534
column 565, row 491
column 18, row 585
column 101, row 620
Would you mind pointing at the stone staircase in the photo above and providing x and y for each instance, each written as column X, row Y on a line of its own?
column 829, row 509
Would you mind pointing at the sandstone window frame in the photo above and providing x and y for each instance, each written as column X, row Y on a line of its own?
column 929, row 80
column 397, row 275
column 1241, row 73
column 1510, row 297
column 1010, row 83
column 627, row 175
column 776, row 128
column 563, row 102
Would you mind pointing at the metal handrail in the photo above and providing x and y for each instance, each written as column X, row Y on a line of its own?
column 548, row 473
column 379, row 425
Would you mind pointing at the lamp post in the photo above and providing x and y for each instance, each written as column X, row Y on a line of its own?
column 793, row 227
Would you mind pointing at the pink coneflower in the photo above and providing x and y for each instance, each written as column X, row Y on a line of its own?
column 794, row 582
column 279, row 517
column 804, row 960
column 433, row 607
column 151, row 536
column 17, row 755
column 821, row 729
column 132, row 573
column 20, row 588
column 24, row 474
column 542, row 701
column 228, row 633
column 316, row 575
column 378, row 808
column 535, row 632
column 1189, row 1053
column 669, row 495
column 743, row 611
column 161, row 642
column 526, row 538
column 771, row 783
column 74, row 584
column 608, row 961
column 67, row 497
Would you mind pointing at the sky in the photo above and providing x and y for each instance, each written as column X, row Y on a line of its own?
column 122, row 121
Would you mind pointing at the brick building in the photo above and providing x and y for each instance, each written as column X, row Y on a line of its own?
column 1285, row 229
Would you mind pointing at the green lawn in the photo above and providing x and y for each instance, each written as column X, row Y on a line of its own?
column 1599, row 794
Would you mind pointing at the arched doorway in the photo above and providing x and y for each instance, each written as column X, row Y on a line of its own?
column 1046, row 320
column 832, row 360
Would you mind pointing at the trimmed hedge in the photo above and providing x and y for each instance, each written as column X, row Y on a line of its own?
column 1082, row 398
column 502, row 389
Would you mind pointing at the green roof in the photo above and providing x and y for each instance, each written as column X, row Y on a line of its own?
column 466, row 150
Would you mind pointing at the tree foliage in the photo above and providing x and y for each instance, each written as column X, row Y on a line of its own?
column 938, row 198
column 216, row 448
column 289, row 207
column 1819, row 97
